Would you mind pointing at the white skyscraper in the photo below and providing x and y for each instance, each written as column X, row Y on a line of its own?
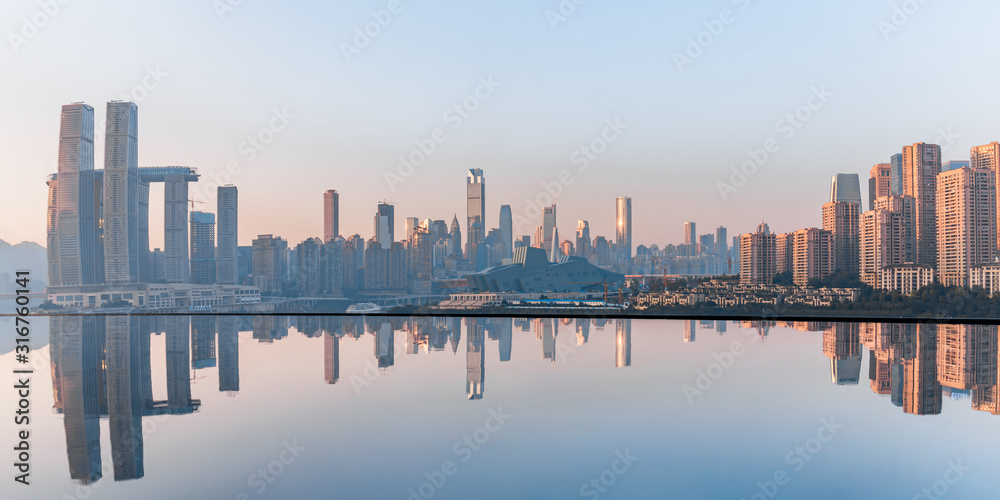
column 76, row 205
column 121, row 193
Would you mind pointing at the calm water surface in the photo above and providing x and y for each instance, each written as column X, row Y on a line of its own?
column 319, row 407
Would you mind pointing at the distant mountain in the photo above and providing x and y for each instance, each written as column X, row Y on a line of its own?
column 26, row 255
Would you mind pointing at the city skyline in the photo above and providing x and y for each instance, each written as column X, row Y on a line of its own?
column 527, row 129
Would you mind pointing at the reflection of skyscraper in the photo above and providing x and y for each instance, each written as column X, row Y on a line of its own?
column 475, row 359
column 384, row 345
column 202, row 342
column 582, row 330
column 506, row 328
column 986, row 394
column 125, row 408
column 77, row 354
column 689, row 331
column 623, row 343
column 545, row 330
column 842, row 344
column 229, row 353
column 178, row 359
column 331, row 357
column 921, row 389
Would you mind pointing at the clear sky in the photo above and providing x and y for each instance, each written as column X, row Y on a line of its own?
column 213, row 77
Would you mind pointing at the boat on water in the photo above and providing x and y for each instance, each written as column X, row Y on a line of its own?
column 364, row 308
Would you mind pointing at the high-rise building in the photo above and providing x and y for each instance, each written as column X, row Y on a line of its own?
column 202, row 248
column 410, row 225
column 906, row 207
column 384, row 218
column 813, row 256
column 967, row 223
column 227, row 250
column 954, row 164
column 721, row 241
column 77, row 242
column 841, row 220
column 706, row 243
column 331, row 215
column 690, row 233
column 988, row 156
column 921, row 165
column 269, row 263
column 548, row 225
column 896, row 175
column 883, row 243
column 507, row 231
column 309, row 275
column 879, row 183
column 623, row 343
column 623, row 217
column 784, row 252
column 582, row 238
column 121, row 194
column 475, row 189
column 846, row 188
column 757, row 256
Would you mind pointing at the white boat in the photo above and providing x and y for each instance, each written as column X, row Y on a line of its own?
column 364, row 308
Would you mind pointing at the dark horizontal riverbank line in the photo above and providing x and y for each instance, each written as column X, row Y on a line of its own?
column 576, row 314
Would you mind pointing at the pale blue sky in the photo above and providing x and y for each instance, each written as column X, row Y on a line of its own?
column 225, row 76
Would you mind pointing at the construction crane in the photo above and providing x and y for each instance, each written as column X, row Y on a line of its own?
column 605, row 283
column 196, row 201
column 729, row 262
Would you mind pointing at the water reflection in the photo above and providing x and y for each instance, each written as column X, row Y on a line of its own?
column 101, row 366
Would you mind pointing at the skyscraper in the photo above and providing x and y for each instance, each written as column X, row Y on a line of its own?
column 812, row 255
column 268, row 263
column 721, row 241
column 988, row 156
column 75, row 224
column 757, row 256
column 331, row 215
column 967, row 223
column 623, row 217
column 548, row 225
column 121, row 194
column 475, row 189
column 384, row 233
column 921, row 165
column 896, row 175
column 507, row 231
column 846, row 188
column 227, row 251
column 583, row 238
column 883, row 243
column 879, row 182
column 841, row 220
column 410, row 225
column 202, row 248
column 690, row 233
